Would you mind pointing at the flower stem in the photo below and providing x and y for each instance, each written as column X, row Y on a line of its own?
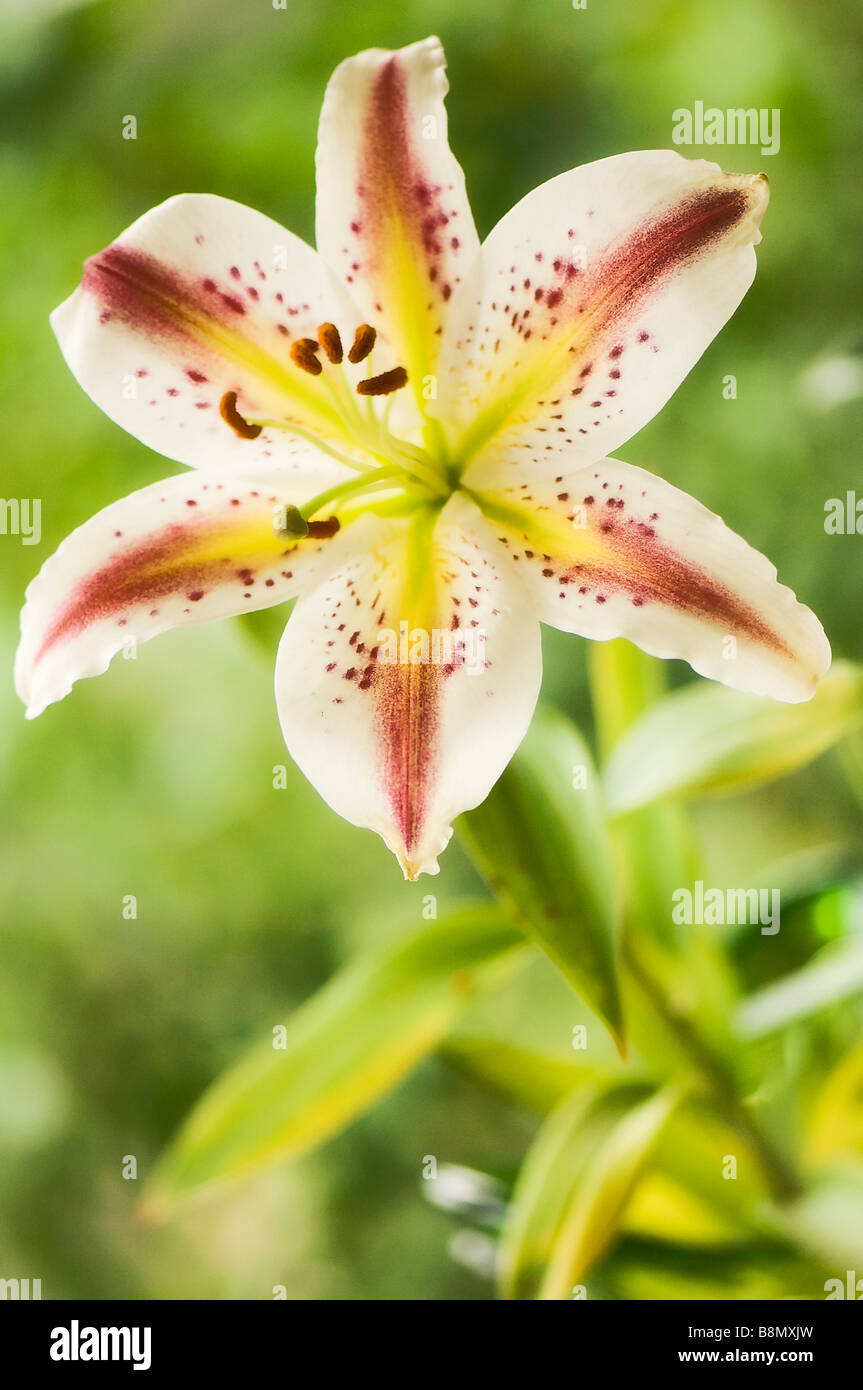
column 624, row 682
column 779, row 1176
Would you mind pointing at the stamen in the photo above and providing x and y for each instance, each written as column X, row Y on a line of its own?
column 231, row 416
column 364, row 341
column 385, row 383
column 324, row 529
column 328, row 337
column 303, row 355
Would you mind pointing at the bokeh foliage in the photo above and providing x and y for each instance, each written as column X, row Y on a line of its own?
column 156, row 780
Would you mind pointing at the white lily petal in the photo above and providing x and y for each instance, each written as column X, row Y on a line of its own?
column 612, row 551
column 402, row 746
column 201, row 296
column 599, row 291
column 393, row 219
column 192, row 548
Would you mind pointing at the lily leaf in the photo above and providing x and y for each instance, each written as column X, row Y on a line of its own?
column 520, row 1076
column 600, row 1198
column 664, row 1209
column 624, row 682
column 834, row 973
column 707, row 738
column 575, row 1184
column 541, row 841
column 558, row 1152
column 762, row 1269
column 836, row 1124
column 343, row 1049
column 654, row 849
column 827, row 1221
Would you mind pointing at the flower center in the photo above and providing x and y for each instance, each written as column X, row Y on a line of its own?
column 390, row 471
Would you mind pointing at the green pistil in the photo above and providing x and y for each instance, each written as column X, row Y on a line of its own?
column 380, row 477
column 294, row 521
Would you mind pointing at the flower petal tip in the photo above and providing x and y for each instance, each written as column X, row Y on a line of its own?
column 412, row 869
column 420, row 858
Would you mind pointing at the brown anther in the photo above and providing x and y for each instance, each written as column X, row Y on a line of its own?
column 328, row 337
column 364, row 341
column 324, row 529
column 231, row 416
column 382, row 385
column 303, row 355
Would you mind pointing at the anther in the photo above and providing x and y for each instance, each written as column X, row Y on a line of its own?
column 303, row 355
column 364, row 341
column 382, row 385
column 324, row 529
column 231, row 416
column 328, row 337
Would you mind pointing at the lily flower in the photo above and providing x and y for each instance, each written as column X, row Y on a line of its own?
column 409, row 432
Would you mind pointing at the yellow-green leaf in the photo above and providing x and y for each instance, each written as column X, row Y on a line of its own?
column 827, row 1220
column 342, row 1050
column 544, row 1183
column 557, row 1167
column 602, row 1192
column 834, row 973
column 523, row 1077
column 836, row 1122
column 707, row 738
column 664, row 1209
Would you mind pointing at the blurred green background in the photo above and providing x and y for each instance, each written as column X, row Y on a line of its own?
column 156, row 780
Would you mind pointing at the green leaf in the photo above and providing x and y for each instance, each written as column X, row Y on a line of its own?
column 624, row 681
column 695, row 1147
column 520, row 1076
column 600, row 1197
column 653, row 849
column 750, row 1269
column 343, row 1049
column 836, row 1123
column 542, row 843
column 560, row 1149
column 707, row 738
column 575, row 1183
column 827, row 1220
column 833, row 974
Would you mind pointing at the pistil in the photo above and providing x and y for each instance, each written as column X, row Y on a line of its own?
column 298, row 522
column 387, row 455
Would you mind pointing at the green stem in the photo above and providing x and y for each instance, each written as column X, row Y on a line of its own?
column 623, row 683
column 779, row 1176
